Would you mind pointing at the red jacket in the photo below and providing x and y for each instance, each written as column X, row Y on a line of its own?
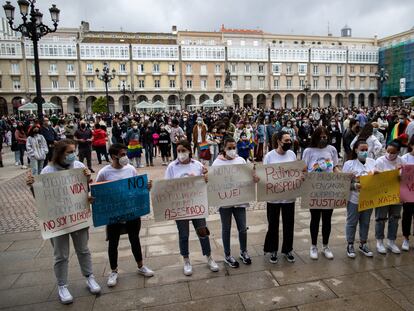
column 98, row 138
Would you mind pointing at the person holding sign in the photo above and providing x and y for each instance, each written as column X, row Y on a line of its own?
column 359, row 165
column 64, row 158
column 321, row 157
column 185, row 166
column 121, row 169
column 230, row 157
column 408, row 207
column 390, row 161
column 282, row 144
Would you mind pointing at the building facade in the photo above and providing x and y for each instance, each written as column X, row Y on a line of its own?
column 185, row 68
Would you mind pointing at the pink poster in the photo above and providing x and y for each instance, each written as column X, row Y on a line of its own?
column 407, row 183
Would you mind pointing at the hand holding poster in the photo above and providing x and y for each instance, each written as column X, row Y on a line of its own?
column 282, row 181
column 379, row 190
column 230, row 185
column 181, row 198
column 326, row 190
column 407, row 183
column 62, row 202
column 120, row 200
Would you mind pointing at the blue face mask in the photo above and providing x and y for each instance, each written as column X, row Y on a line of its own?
column 70, row 158
column 362, row 155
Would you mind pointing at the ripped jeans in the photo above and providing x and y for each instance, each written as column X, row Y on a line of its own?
column 240, row 217
column 392, row 213
column 183, row 227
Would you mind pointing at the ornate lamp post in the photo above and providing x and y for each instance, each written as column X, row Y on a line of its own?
column 106, row 77
column 307, row 89
column 382, row 76
column 34, row 29
column 123, row 88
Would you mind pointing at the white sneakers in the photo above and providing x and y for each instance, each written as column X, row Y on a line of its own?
column 145, row 271
column 112, row 279
column 390, row 245
column 188, row 269
column 327, row 252
column 380, row 247
column 405, row 245
column 64, row 295
column 212, row 264
column 94, row 287
column 313, row 253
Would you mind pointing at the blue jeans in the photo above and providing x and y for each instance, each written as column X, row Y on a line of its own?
column 240, row 217
column 184, row 232
column 391, row 213
column 354, row 217
column 36, row 166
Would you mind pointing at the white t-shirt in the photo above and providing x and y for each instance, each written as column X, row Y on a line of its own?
column 50, row 168
column 274, row 157
column 109, row 173
column 321, row 159
column 382, row 164
column 408, row 158
column 177, row 170
column 358, row 169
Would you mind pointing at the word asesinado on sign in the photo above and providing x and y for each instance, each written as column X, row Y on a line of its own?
column 276, row 179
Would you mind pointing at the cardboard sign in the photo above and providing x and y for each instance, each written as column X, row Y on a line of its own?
column 62, row 202
column 121, row 200
column 379, row 190
column 326, row 190
column 230, row 185
column 181, row 198
column 407, row 183
column 282, row 181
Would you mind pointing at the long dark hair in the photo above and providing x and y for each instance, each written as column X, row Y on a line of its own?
column 366, row 131
column 59, row 151
column 359, row 142
column 316, row 136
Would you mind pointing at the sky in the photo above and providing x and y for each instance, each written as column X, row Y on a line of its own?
column 300, row 17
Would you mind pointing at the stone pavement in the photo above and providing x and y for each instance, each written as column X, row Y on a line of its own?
column 27, row 280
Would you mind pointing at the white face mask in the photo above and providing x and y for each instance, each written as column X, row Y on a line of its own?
column 123, row 161
column 183, row 156
column 135, row 127
column 231, row 153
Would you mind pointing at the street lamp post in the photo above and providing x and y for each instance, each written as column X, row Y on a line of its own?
column 34, row 29
column 106, row 77
column 122, row 87
column 307, row 89
column 382, row 76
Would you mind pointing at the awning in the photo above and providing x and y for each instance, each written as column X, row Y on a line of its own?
column 209, row 103
column 33, row 107
column 158, row 105
column 408, row 100
column 142, row 105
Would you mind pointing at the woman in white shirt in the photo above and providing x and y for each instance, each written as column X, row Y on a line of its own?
column 390, row 161
column 282, row 144
column 374, row 145
column 359, row 165
column 230, row 157
column 321, row 157
column 408, row 207
column 185, row 166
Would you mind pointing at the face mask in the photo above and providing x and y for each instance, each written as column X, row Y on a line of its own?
column 70, row 124
column 123, row 160
column 135, row 127
column 391, row 157
column 200, row 122
column 402, row 121
column 288, row 125
column 362, row 155
column 14, row 125
column 333, row 124
column 382, row 115
column 286, row 146
column 70, row 158
column 185, row 119
column 231, row 153
column 183, row 156
column 244, row 137
column 162, row 128
column 49, row 123
column 323, row 143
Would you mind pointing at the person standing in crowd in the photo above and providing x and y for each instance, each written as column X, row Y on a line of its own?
column 362, row 118
column 230, row 157
column 335, row 136
column 288, row 128
column 164, row 143
column 349, row 135
column 60, row 129
column 147, row 142
column 382, row 123
column 359, row 165
column 116, row 132
column 270, row 130
column 121, row 169
column 64, row 158
column 399, row 127
column 70, row 130
column 281, row 153
column 176, row 135
column 51, row 138
column 199, row 134
column 409, row 130
column 374, row 145
column 408, row 207
column 187, row 124
column 185, row 166
column 244, row 147
column 99, row 139
column 37, row 150
column 21, row 139
column 378, row 134
column 134, row 146
column 259, row 140
column 321, row 157
column 305, row 134
column 14, row 147
column 83, row 136
column 390, row 161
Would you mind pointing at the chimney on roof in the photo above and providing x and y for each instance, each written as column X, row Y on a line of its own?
column 84, row 26
column 346, row 31
column 174, row 29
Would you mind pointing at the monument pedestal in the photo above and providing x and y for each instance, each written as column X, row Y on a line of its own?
column 228, row 97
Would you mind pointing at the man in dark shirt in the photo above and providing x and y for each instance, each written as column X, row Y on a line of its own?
column 83, row 136
column 51, row 138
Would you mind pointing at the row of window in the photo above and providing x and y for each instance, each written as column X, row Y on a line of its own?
column 154, row 52
column 104, row 52
column 203, row 53
column 52, row 50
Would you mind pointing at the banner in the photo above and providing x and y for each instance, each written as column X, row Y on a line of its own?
column 282, row 181
column 379, row 190
column 326, row 190
column 181, row 198
column 407, row 183
column 230, row 185
column 62, row 202
column 120, row 200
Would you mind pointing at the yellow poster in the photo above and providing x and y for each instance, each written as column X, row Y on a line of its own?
column 379, row 190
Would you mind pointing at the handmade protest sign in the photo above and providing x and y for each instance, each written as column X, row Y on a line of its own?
column 230, row 185
column 407, row 183
column 326, row 190
column 379, row 190
column 62, row 202
column 120, row 200
column 181, row 198
column 282, row 181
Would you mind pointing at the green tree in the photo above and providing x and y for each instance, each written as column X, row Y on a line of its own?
column 99, row 105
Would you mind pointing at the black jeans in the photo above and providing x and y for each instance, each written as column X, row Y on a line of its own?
column 272, row 236
column 326, row 225
column 22, row 149
column 407, row 218
column 85, row 153
column 101, row 150
column 113, row 233
column 149, row 153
